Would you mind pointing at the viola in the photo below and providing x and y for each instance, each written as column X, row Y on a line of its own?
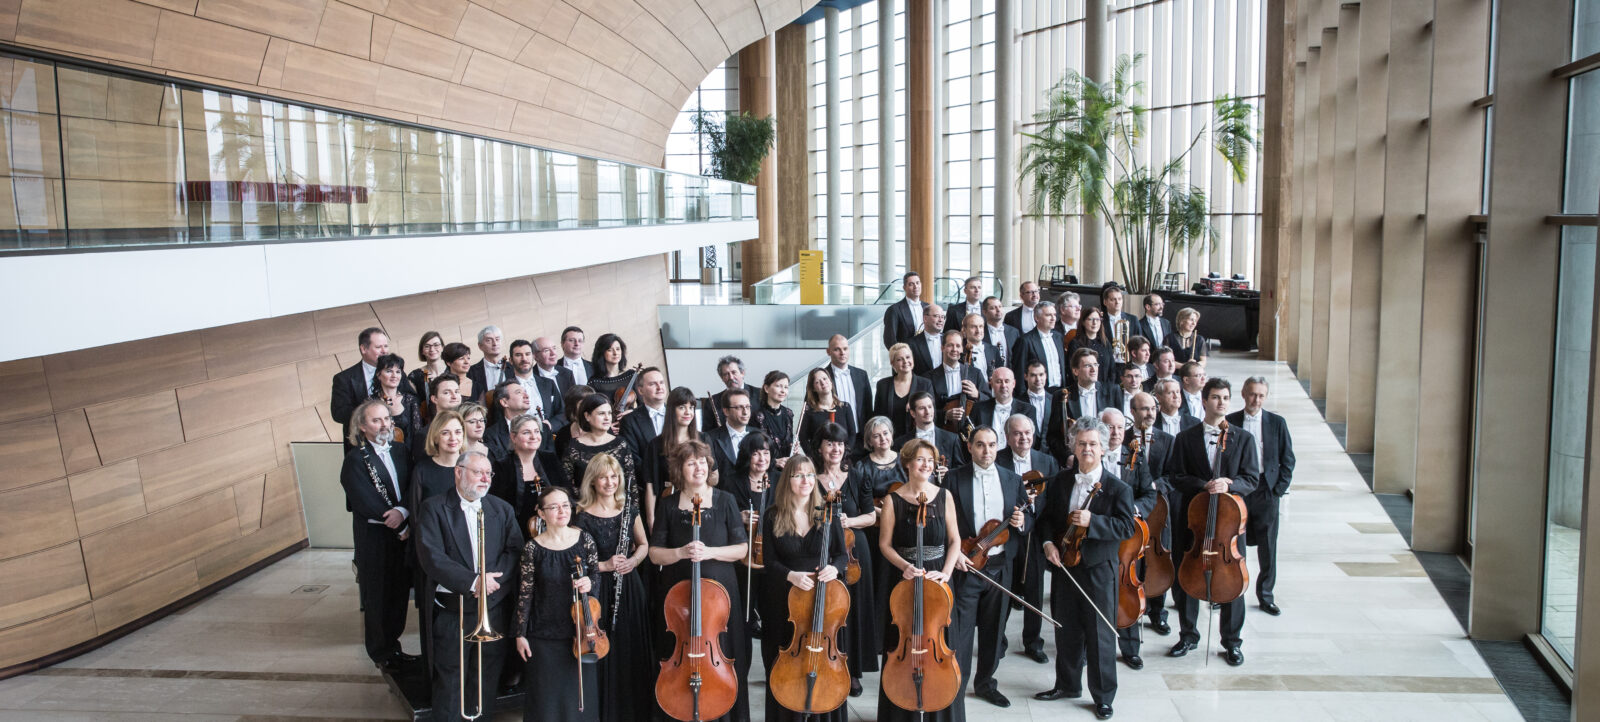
column 1071, row 544
column 590, row 643
column 921, row 674
column 811, row 675
column 626, row 397
column 1130, row 590
column 996, row 532
column 698, row 681
column 1213, row 570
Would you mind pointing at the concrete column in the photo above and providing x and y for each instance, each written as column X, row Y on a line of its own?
column 1305, row 289
column 1277, row 168
column 1322, row 292
column 1096, row 262
column 795, row 222
column 921, row 220
column 830, row 84
column 1344, row 205
column 1406, row 140
column 1366, row 232
column 1450, row 275
column 1289, row 325
column 888, row 232
column 758, row 97
column 1005, row 151
column 1520, row 300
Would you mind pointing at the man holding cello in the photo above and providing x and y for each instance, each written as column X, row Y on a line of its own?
column 1210, row 458
column 1087, row 513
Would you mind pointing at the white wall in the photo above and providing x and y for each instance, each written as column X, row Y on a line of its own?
column 63, row 302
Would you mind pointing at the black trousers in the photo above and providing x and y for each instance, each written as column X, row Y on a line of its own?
column 980, row 613
column 447, row 671
column 384, row 584
column 1083, row 636
column 1028, row 573
column 1189, row 613
column 1261, row 531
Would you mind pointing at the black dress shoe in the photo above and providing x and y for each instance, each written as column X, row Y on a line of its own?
column 405, row 658
column 993, row 696
column 1102, row 711
column 1182, row 648
column 1271, row 608
column 855, row 687
column 1036, row 655
column 1234, row 656
column 1055, row 693
column 1133, row 661
column 1161, row 627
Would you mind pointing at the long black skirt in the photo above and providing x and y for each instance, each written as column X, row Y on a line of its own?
column 630, row 666
column 553, row 693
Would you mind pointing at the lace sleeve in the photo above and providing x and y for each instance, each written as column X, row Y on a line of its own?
column 530, row 575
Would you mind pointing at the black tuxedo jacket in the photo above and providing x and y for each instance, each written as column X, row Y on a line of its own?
column 1277, row 451
column 507, row 485
column 1159, row 335
column 1031, row 347
column 945, row 442
column 1013, row 318
column 723, row 452
column 861, row 384
column 1185, row 422
column 497, row 436
column 349, row 390
column 638, row 430
column 711, row 411
column 1189, row 467
column 921, row 359
column 550, row 396
column 1044, row 416
column 480, row 379
column 954, row 312
column 1012, row 336
column 885, row 404
column 959, row 482
column 1157, row 450
column 444, row 545
column 1111, row 516
column 1106, row 396
column 942, row 393
column 983, row 413
column 564, row 380
column 1042, row 463
column 361, row 496
column 899, row 324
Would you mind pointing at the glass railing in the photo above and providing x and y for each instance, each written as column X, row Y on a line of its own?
column 98, row 158
column 783, row 288
column 946, row 290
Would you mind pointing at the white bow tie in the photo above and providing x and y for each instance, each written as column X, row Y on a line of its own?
column 472, row 506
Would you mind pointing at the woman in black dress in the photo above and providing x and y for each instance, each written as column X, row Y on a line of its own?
column 458, row 359
column 563, row 436
column 941, row 544
column 1092, row 335
column 721, row 546
column 677, row 428
column 431, row 475
column 793, row 543
column 862, row 639
column 823, row 407
column 544, row 628
column 604, row 513
column 776, row 419
column 749, row 485
column 895, row 390
column 389, row 386
column 1185, row 340
column 877, row 469
column 429, row 367
column 594, row 437
column 611, row 372
column 519, row 478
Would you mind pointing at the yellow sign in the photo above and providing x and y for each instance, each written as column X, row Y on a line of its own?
column 811, row 278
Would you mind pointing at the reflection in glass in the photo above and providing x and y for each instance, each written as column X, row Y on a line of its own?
column 1568, row 435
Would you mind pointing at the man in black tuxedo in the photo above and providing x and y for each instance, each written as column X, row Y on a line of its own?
column 1002, row 403
column 544, row 397
column 1136, row 472
column 644, row 422
column 1130, row 379
column 1139, row 357
column 731, row 370
column 737, row 406
column 1276, row 451
column 1163, row 366
column 1070, row 312
column 512, row 401
column 1202, row 462
column 922, row 427
column 971, row 303
column 997, row 332
column 572, row 356
column 1192, row 376
column 982, row 356
column 448, row 547
column 925, row 346
column 547, row 354
column 1153, row 326
column 1155, row 445
column 1088, row 396
column 354, row 385
column 1046, row 404
column 1028, row 571
column 901, row 318
column 1111, row 301
column 952, row 379
column 1086, row 602
column 850, row 384
column 984, row 492
column 1043, row 343
column 1022, row 318
column 374, row 473
column 1171, row 416
column 493, row 368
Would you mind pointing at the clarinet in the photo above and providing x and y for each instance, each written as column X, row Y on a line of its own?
column 624, row 535
column 383, row 491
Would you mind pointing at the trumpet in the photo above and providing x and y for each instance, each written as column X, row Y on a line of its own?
column 481, row 634
column 1119, row 341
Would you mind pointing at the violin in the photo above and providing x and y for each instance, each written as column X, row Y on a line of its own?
column 1213, row 570
column 590, row 643
column 996, row 532
column 921, row 674
column 1071, row 544
column 811, row 675
column 852, row 567
column 626, row 397
column 698, row 681
column 962, row 401
column 1158, row 571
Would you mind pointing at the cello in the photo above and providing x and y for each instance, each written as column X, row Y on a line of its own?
column 589, row 643
column 921, row 673
column 1213, row 570
column 698, row 681
column 1158, row 571
column 811, row 675
column 1130, row 590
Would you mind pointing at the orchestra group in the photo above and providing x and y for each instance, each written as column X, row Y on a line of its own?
column 616, row 548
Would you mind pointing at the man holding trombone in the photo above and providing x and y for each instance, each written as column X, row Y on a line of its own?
column 468, row 542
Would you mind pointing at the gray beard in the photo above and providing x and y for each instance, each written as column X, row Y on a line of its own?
column 385, row 438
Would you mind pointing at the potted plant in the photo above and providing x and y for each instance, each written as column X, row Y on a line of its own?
column 1086, row 156
column 737, row 144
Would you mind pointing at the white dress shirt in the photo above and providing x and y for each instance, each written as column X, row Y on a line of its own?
column 988, row 500
column 1027, row 319
column 975, row 308
column 844, row 388
column 1213, row 434
column 924, row 434
column 1112, row 461
column 535, row 399
column 554, row 374
column 367, row 372
column 1089, row 401
column 1252, row 424
column 658, row 417
column 1001, row 413
column 575, row 365
column 932, row 339
column 952, row 378
column 469, row 509
column 1052, row 359
column 1194, row 403
column 1172, row 424
column 1153, row 324
column 737, row 437
column 394, row 483
column 1038, row 401
column 491, row 374
column 1022, row 462
column 997, row 337
column 1081, row 486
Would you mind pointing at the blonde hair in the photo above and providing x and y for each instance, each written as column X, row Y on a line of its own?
column 600, row 465
column 1185, row 314
column 436, row 429
column 897, row 348
column 781, row 514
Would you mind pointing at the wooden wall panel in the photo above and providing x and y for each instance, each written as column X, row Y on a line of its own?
column 316, row 379
column 249, row 549
column 78, row 451
column 246, row 347
column 338, row 329
column 505, row 298
column 36, row 639
column 26, row 397
column 121, row 555
column 123, row 429
column 42, row 584
column 464, row 306
column 107, row 496
column 247, row 503
column 29, row 453
column 217, row 406
column 301, row 425
column 201, row 467
column 145, row 596
column 280, row 497
column 95, row 375
column 36, row 517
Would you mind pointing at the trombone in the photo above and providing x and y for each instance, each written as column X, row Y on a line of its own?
column 480, row 635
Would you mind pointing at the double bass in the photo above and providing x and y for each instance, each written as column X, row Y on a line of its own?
column 811, row 675
column 1213, row 570
column 921, row 674
column 698, row 681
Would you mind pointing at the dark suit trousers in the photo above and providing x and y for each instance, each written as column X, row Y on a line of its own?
column 1262, row 533
column 1083, row 636
column 384, row 586
column 1030, row 585
column 1189, row 613
column 981, row 612
column 446, row 668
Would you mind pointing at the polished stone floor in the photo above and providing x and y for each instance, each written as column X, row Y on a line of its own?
column 1364, row 635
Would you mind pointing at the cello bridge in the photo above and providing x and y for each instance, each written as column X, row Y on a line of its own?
column 696, row 656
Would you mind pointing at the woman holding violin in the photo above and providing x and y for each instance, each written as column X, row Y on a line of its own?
column 721, row 545
column 753, row 474
column 545, row 629
column 941, row 547
column 594, row 437
column 429, row 367
column 611, row 372
column 862, row 638
column 793, row 540
column 823, row 407
column 389, row 386
column 619, row 535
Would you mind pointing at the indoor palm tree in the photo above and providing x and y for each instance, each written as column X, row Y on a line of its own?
column 737, row 144
column 1086, row 156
